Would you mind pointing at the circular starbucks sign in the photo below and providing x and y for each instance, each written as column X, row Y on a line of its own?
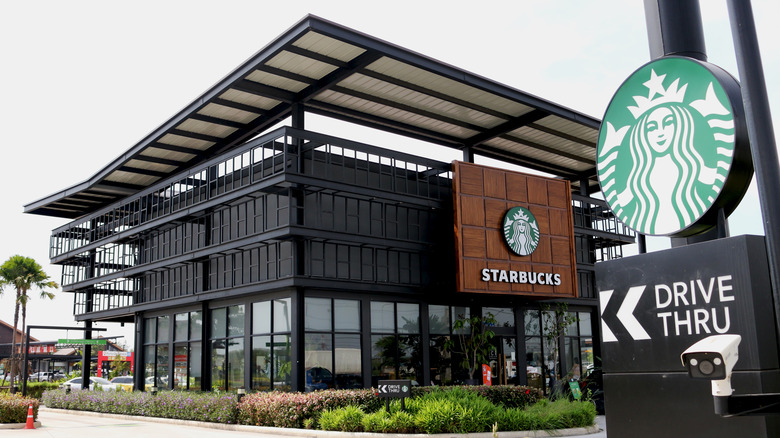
column 521, row 232
column 672, row 146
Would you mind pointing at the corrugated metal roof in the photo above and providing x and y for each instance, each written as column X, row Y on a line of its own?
column 340, row 73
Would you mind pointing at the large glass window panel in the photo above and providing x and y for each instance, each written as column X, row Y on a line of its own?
column 531, row 321
column 282, row 309
column 195, row 366
column 534, row 369
column 236, row 320
column 180, row 365
column 162, row 366
column 347, row 315
column 219, row 323
column 282, row 362
column 440, row 361
column 196, row 325
column 383, row 352
column 318, row 314
column 319, row 361
column 572, row 329
column 163, row 326
column 348, row 363
column 586, row 329
column 218, row 365
column 382, row 317
column 261, row 362
column 408, row 318
column 410, row 358
column 150, row 330
column 235, row 372
column 586, row 355
column 261, row 317
column 439, row 319
column 459, row 312
column 180, row 327
column 505, row 317
column 149, row 368
column 573, row 361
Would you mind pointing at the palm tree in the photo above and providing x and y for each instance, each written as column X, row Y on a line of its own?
column 23, row 274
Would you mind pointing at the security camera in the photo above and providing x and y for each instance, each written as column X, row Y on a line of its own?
column 713, row 358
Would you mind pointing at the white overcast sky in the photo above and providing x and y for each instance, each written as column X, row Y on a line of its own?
column 83, row 81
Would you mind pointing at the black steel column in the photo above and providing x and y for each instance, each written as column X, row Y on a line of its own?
column 761, row 132
column 674, row 28
column 138, row 358
column 86, row 359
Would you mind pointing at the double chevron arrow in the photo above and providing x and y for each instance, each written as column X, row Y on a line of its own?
column 625, row 314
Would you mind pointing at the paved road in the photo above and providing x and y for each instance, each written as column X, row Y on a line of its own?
column 58, row 424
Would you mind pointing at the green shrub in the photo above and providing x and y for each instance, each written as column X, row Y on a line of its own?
column 36, row 389
column 346, row 419
column 14, row 408
column 506, row 395
column 458, row 410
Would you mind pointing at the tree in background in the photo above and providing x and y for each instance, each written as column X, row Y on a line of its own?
column 23, row 274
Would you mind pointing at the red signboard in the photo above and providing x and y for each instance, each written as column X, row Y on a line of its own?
column 41, row 349
column 487, row 375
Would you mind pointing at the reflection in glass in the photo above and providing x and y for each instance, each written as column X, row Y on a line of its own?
column 348, row 364
column 149, row 368
column 410, row 358
column 218, row 365
column 382, row 317
column 318, row 314
column 534, row 370
column 235, row 363
column 408, row 318
column 505, row 317
column 383, row 349
column 219, row 323
column 585, row 325
column 196, row 325
column 261, row 317
column 261, row 363
column 439, row 319
column 236, row 320
column 181, row 322
column 195, row 366
column 440, row 359
column 319, row 361
column 347, row 315
column 531, row 318
column 282, row 362
column 282, row 315
column 180, row 365
column 163, row 325
column 162, row 366
column 150, row 330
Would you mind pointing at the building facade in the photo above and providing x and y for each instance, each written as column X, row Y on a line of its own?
column 265, row 258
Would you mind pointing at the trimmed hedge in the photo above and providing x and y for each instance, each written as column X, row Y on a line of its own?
column 301, row 410
column 13, row 408
column 214, row 408
column 504, row 395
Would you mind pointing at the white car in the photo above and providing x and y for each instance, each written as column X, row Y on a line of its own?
column 75, row 384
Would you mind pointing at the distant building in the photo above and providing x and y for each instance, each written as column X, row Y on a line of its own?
column 264, row 258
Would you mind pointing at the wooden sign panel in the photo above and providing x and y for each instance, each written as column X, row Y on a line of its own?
column 485, row 262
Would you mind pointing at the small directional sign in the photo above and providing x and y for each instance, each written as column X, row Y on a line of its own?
column 394, row 388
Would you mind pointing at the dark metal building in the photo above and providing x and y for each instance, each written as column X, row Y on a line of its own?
column 296, row 260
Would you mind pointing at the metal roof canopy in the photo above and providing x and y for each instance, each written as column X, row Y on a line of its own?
column 340, row 73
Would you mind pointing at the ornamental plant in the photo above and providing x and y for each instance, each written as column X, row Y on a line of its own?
column 473, row 336
column 14, row 407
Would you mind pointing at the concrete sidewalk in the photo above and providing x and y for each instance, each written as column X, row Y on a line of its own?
column 56, row 423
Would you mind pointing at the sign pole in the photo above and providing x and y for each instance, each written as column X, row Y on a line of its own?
column 761, row 132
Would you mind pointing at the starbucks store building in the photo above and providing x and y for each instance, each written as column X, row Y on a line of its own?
column 250, row 252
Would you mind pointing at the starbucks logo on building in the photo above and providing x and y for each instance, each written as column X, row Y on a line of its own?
column 667, row 145
column 521, row 232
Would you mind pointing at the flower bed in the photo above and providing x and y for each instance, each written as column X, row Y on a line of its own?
column 14, row 408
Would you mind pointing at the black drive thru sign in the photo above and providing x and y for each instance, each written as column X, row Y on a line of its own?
column 656, row 305
column 394, row 388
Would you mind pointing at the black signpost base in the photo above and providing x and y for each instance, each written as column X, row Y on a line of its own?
column 654, row 306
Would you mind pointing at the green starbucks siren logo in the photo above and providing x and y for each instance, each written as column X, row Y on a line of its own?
column 666, row 146
column 521, row 232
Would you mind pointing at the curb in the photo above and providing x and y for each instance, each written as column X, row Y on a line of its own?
column 306, row 433
column 6, row 426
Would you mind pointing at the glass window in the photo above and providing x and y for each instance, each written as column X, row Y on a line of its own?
column 586, row 328
column 318, row 314
column 163, row 325
column 236, row 320
column 347, row 315
column 162, row 366
column 150, row 330
column 282, row 362
column 408, row 318
column 235, row 371
column 532, row 326
column 382, row 317
column 195, row 366
column 181, row 324
column 218, row 365
column 505, row 317
column 149, row 367
column 282, row 321
column 196, row 325
column 261, row 362
column 219, row 323
column 261, row 317
column 319, row 361
column 439, row 319
column 571, row 329
column 348, row 363
column 459, row 313
column 180, row 365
